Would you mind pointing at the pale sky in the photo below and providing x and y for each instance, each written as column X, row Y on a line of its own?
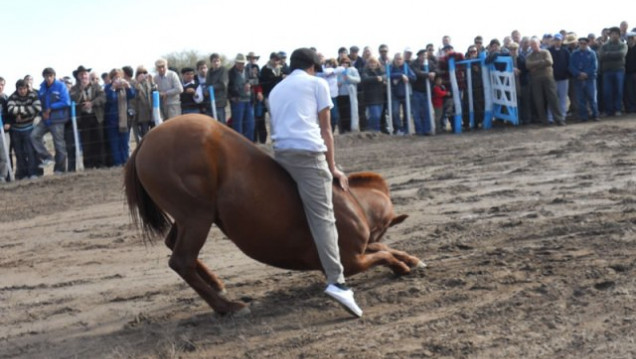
column 105, row 34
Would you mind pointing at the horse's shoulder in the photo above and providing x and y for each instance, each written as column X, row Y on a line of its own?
column 368, row 180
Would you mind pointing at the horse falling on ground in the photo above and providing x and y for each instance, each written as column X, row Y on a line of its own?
column 191, row 172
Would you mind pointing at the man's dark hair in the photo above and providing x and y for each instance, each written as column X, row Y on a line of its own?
column 2, row 79
column 104, row 75
column 128, row 71
column 214, row 56
column 19, row 84
column 201, row 63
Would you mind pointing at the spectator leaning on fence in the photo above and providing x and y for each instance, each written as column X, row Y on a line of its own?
column 348, row 97
column 55, row 101
column 420, row 93
column 144, row 88
column 169, row 87
column 240, row 94
column 23, row 107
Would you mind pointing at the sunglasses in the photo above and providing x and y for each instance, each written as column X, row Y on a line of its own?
column 143, row 73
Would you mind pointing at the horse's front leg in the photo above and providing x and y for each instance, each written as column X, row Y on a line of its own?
column 410, row 260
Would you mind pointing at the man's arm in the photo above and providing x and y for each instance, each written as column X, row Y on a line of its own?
column 324, row 120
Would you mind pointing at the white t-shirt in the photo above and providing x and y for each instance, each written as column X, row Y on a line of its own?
column 294, row 106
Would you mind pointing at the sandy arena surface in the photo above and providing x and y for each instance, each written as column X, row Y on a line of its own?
column 528, row 235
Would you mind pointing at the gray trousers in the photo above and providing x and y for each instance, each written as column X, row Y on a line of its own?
column 57, row 132
column 169, row 111
column 314, row 181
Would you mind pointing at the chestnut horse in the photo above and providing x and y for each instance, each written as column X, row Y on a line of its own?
column 191, row 172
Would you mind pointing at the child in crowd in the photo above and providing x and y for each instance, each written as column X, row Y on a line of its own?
column 440, row 95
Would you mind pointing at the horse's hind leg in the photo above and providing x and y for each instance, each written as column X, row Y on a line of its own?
column 410, row 260
column 190, row 237
column 209, row 277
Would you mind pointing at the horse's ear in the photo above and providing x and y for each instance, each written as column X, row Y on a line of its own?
column 398, row 219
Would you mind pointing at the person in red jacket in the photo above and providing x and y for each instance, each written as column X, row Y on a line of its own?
column 440, row 94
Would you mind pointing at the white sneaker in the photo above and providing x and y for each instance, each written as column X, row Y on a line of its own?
column 45, row 163
column 344, row 296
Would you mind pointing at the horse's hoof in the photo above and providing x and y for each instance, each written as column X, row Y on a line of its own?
column 420, row 265
column 243, row 312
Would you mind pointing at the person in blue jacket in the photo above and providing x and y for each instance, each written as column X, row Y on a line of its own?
column 56, row 102
column 401, row 76
column 583, row 67
column 118, row 93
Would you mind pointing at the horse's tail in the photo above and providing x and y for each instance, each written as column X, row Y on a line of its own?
column 154, row 221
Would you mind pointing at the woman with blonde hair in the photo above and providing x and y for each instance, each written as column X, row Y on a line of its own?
column 142, row 122
column 373, row 84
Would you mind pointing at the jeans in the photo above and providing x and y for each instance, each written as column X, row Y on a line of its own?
column 630, row 92
column 613, row 90
column 586, row 98
column 375, row 113
column 118, row 142
column 421, row 112
column 57, row 132
column 562, row 94
column 243, row 118
column 27, row 164
column 399, row 123
column 335, row 115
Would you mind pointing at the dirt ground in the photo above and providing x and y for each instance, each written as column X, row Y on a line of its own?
column 528, row 235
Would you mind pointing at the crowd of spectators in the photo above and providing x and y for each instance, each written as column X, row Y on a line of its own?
column 558, row 77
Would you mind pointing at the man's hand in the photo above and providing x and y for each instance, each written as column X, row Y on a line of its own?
column 343, row 180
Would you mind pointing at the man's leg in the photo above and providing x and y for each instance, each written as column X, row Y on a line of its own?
column 57, row 131
column 314, row 181
column 37, row 138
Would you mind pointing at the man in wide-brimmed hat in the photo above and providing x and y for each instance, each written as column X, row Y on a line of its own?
column 90, row 99
column 239, row 92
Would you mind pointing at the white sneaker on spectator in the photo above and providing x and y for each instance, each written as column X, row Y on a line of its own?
column 344, row 296
column 45, row 163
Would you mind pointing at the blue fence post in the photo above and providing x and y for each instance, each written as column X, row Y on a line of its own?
column 485, row 75
column 156, row 112
column 213, row 102
column 79, row 160
column 7, row 158
column 407, row 115
column 429, row 98
column 457, row 119
column 389, row 107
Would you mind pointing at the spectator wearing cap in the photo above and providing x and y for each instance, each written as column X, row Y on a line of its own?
column 539, row 64
column 304, row 146
column 560, row 72
column 479, row 43
column 90, row 99
column 348, row 81
column 443, row 68
column 188, row 104
column 56, row 102
column 407, row 54
column 583, row 67
column 612, row 59
column 630, row 73
column 330, row 72
column 22, row 108
column 282, row 55
column 218, row 78
column 144, row 87
column 421, row 110
column 546, row 41
column 239, row 92
column 356, row 60
column 170, row 88
column 257, row 98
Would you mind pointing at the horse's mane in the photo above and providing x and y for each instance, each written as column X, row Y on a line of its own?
column 368, row 180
